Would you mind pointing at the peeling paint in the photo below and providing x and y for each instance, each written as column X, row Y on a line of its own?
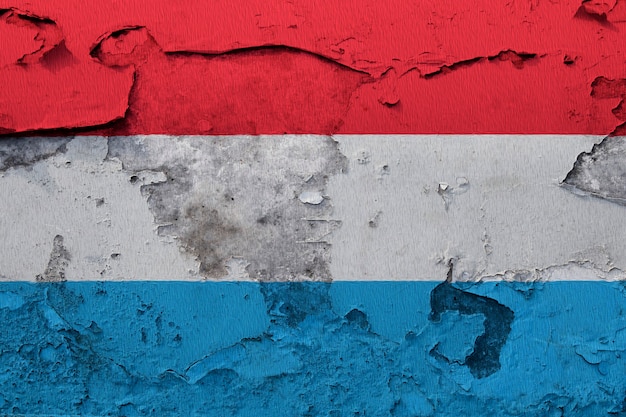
column 44, row 37
column 67, row 188
column 313, row 211
column 59, row 260
column 313, row 81
column 224, row 199
column 484, row 359
column 231, row 208
column 493, row 203
column 312, row 348
column 601, row 172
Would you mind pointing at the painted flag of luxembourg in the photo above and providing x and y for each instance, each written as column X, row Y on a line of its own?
column 297, row 208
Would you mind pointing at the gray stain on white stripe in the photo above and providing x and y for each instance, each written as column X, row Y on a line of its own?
column 230, row 198
column 273, row 207
column 59, row 259
column 23, row 152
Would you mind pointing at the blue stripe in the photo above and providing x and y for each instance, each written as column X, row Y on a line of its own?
column 313, row 349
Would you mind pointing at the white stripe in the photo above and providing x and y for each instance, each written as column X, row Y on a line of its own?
column 249, row 208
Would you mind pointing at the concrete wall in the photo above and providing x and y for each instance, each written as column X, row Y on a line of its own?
column 338, row 209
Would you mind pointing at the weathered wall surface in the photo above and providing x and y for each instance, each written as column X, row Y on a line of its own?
column 303, row 67
column 313, row 349
column 288, row 208
column 470, row 246
column 320, row 208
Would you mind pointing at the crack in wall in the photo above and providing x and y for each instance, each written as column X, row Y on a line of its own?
column 517, row 59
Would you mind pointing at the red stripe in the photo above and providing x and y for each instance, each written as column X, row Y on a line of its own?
column 345, row 66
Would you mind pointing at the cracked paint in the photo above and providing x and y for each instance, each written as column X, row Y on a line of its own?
column 513, row 95
column 310, row 348
column 309, row 207
column 600, row 172
column 539, row 57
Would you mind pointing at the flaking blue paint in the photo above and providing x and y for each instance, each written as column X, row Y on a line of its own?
column 308, row 349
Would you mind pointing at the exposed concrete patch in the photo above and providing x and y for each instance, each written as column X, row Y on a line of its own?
column 270, row 208
column 59, row 260
column 249, row 198
column 24, row 152
column 601, row 172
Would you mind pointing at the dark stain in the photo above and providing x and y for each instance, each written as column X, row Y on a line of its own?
column 357, row 318
column 222, row 200
column 24, row 152
column 485, row 358
column 59, row 260
column 601, row 173
column 270, row 219
column 292, row 302
column 209, row 230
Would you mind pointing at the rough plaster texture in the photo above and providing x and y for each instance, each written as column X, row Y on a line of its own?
column 428, row 214
column 448, row 211
column 309, row 208
column 493, row 203
column 299, row 67
column 106, row 225
column 257, row 199
column 313, row 349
